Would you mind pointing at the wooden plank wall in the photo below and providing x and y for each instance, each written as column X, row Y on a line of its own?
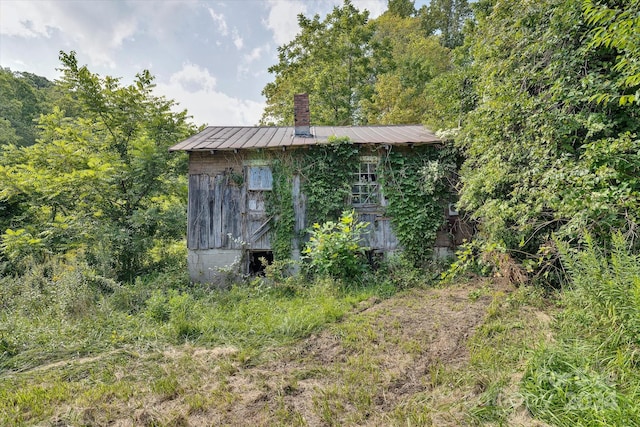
column 214, row 212
column 380, row 236
column 218, row 206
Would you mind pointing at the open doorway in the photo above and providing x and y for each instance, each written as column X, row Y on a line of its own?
column 256, row 264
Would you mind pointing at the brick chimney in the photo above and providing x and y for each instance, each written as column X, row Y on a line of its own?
column 301, row 115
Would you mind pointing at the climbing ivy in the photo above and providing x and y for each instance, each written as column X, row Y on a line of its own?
column 416, row 189
column 328, row 174
column 414, row 184
column 279, row 206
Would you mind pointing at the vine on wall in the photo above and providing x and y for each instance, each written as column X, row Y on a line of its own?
column 279, row 205
column 414, row 185
column 328, row 174
column 417, row 191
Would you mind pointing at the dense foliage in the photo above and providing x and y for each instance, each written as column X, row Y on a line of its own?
column 101, row 183
column 540, row 97
column 334, row 60
column 358, row 70
column 588, row 375
column 417, row 188
column 23, row 97
column 335, row 248
column 542, row 154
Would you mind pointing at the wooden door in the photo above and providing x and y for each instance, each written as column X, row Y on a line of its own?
column 258, row 223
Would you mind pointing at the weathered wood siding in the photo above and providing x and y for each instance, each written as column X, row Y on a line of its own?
column 222, row 204
column 380, row 236
column 214, row 212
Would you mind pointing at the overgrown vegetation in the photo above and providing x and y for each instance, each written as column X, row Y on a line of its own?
column 417, row 189
column 99, row 180
column 327, row 172
column 279, row 206
column 335, row 249
column 589, row 376
column 98, row 321
column 542, row 154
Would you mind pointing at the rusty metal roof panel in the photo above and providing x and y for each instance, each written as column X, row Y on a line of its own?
column 248, row 137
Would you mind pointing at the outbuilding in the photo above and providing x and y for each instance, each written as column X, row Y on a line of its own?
column 235, row 172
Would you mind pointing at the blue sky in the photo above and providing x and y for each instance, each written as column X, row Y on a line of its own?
column 209, row 56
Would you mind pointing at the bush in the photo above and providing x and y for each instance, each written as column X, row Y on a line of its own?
column 334, row 248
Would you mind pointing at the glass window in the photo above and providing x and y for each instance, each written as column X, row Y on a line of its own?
column 366, row 190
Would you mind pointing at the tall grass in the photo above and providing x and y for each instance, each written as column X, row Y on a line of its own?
column 57, row 316
column 591, row 375
column 61, row 309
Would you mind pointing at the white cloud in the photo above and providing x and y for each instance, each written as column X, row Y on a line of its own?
column 220, row 22
column 283, row 15
column 237, row 40
column 256, row 53
column 375, row 7
column 283, row 19
column 193, row 78
column 195, row 87
column 243, row 68
column 24, row 19
column 95, row 29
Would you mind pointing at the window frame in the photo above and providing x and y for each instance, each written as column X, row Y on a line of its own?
column 265, row 172
column 369, row 192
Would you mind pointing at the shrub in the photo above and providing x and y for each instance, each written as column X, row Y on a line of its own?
column 334, row 248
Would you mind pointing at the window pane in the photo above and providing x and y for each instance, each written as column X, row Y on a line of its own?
column 365, row 187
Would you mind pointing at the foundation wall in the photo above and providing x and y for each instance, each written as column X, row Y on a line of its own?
column 204, row 264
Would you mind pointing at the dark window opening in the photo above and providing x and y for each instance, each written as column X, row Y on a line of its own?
column 258, row 260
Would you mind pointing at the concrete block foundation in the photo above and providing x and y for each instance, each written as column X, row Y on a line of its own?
column 206, row 265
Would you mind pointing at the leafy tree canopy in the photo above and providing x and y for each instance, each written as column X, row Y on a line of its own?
column 542, row 156
column 335, row 60
column 102, row 183
column 23, row 97
column 445, row 18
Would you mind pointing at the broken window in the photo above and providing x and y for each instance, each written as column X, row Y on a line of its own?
column 366, row 190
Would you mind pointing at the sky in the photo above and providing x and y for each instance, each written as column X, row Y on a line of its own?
column 211, row 57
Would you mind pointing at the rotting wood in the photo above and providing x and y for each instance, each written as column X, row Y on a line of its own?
column 204, row 213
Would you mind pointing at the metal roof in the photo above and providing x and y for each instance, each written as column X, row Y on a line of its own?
column 251, row 137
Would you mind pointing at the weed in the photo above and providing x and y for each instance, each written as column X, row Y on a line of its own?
column 167, row 387
column 334, row 248
column 589, row 376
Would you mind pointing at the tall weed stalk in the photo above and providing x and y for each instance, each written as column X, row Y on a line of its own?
column 590, row 375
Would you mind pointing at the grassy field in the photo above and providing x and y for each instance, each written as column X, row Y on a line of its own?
column 401, row 350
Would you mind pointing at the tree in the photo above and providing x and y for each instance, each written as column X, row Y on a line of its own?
column 401, row 8
column 618, row 27
column 23, row 97
column 445, row 18
column 335, row 60
column 541, row 156
column 103, row 183
column 399, row 93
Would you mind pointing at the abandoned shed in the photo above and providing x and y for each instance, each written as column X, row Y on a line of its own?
column 235, row 172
